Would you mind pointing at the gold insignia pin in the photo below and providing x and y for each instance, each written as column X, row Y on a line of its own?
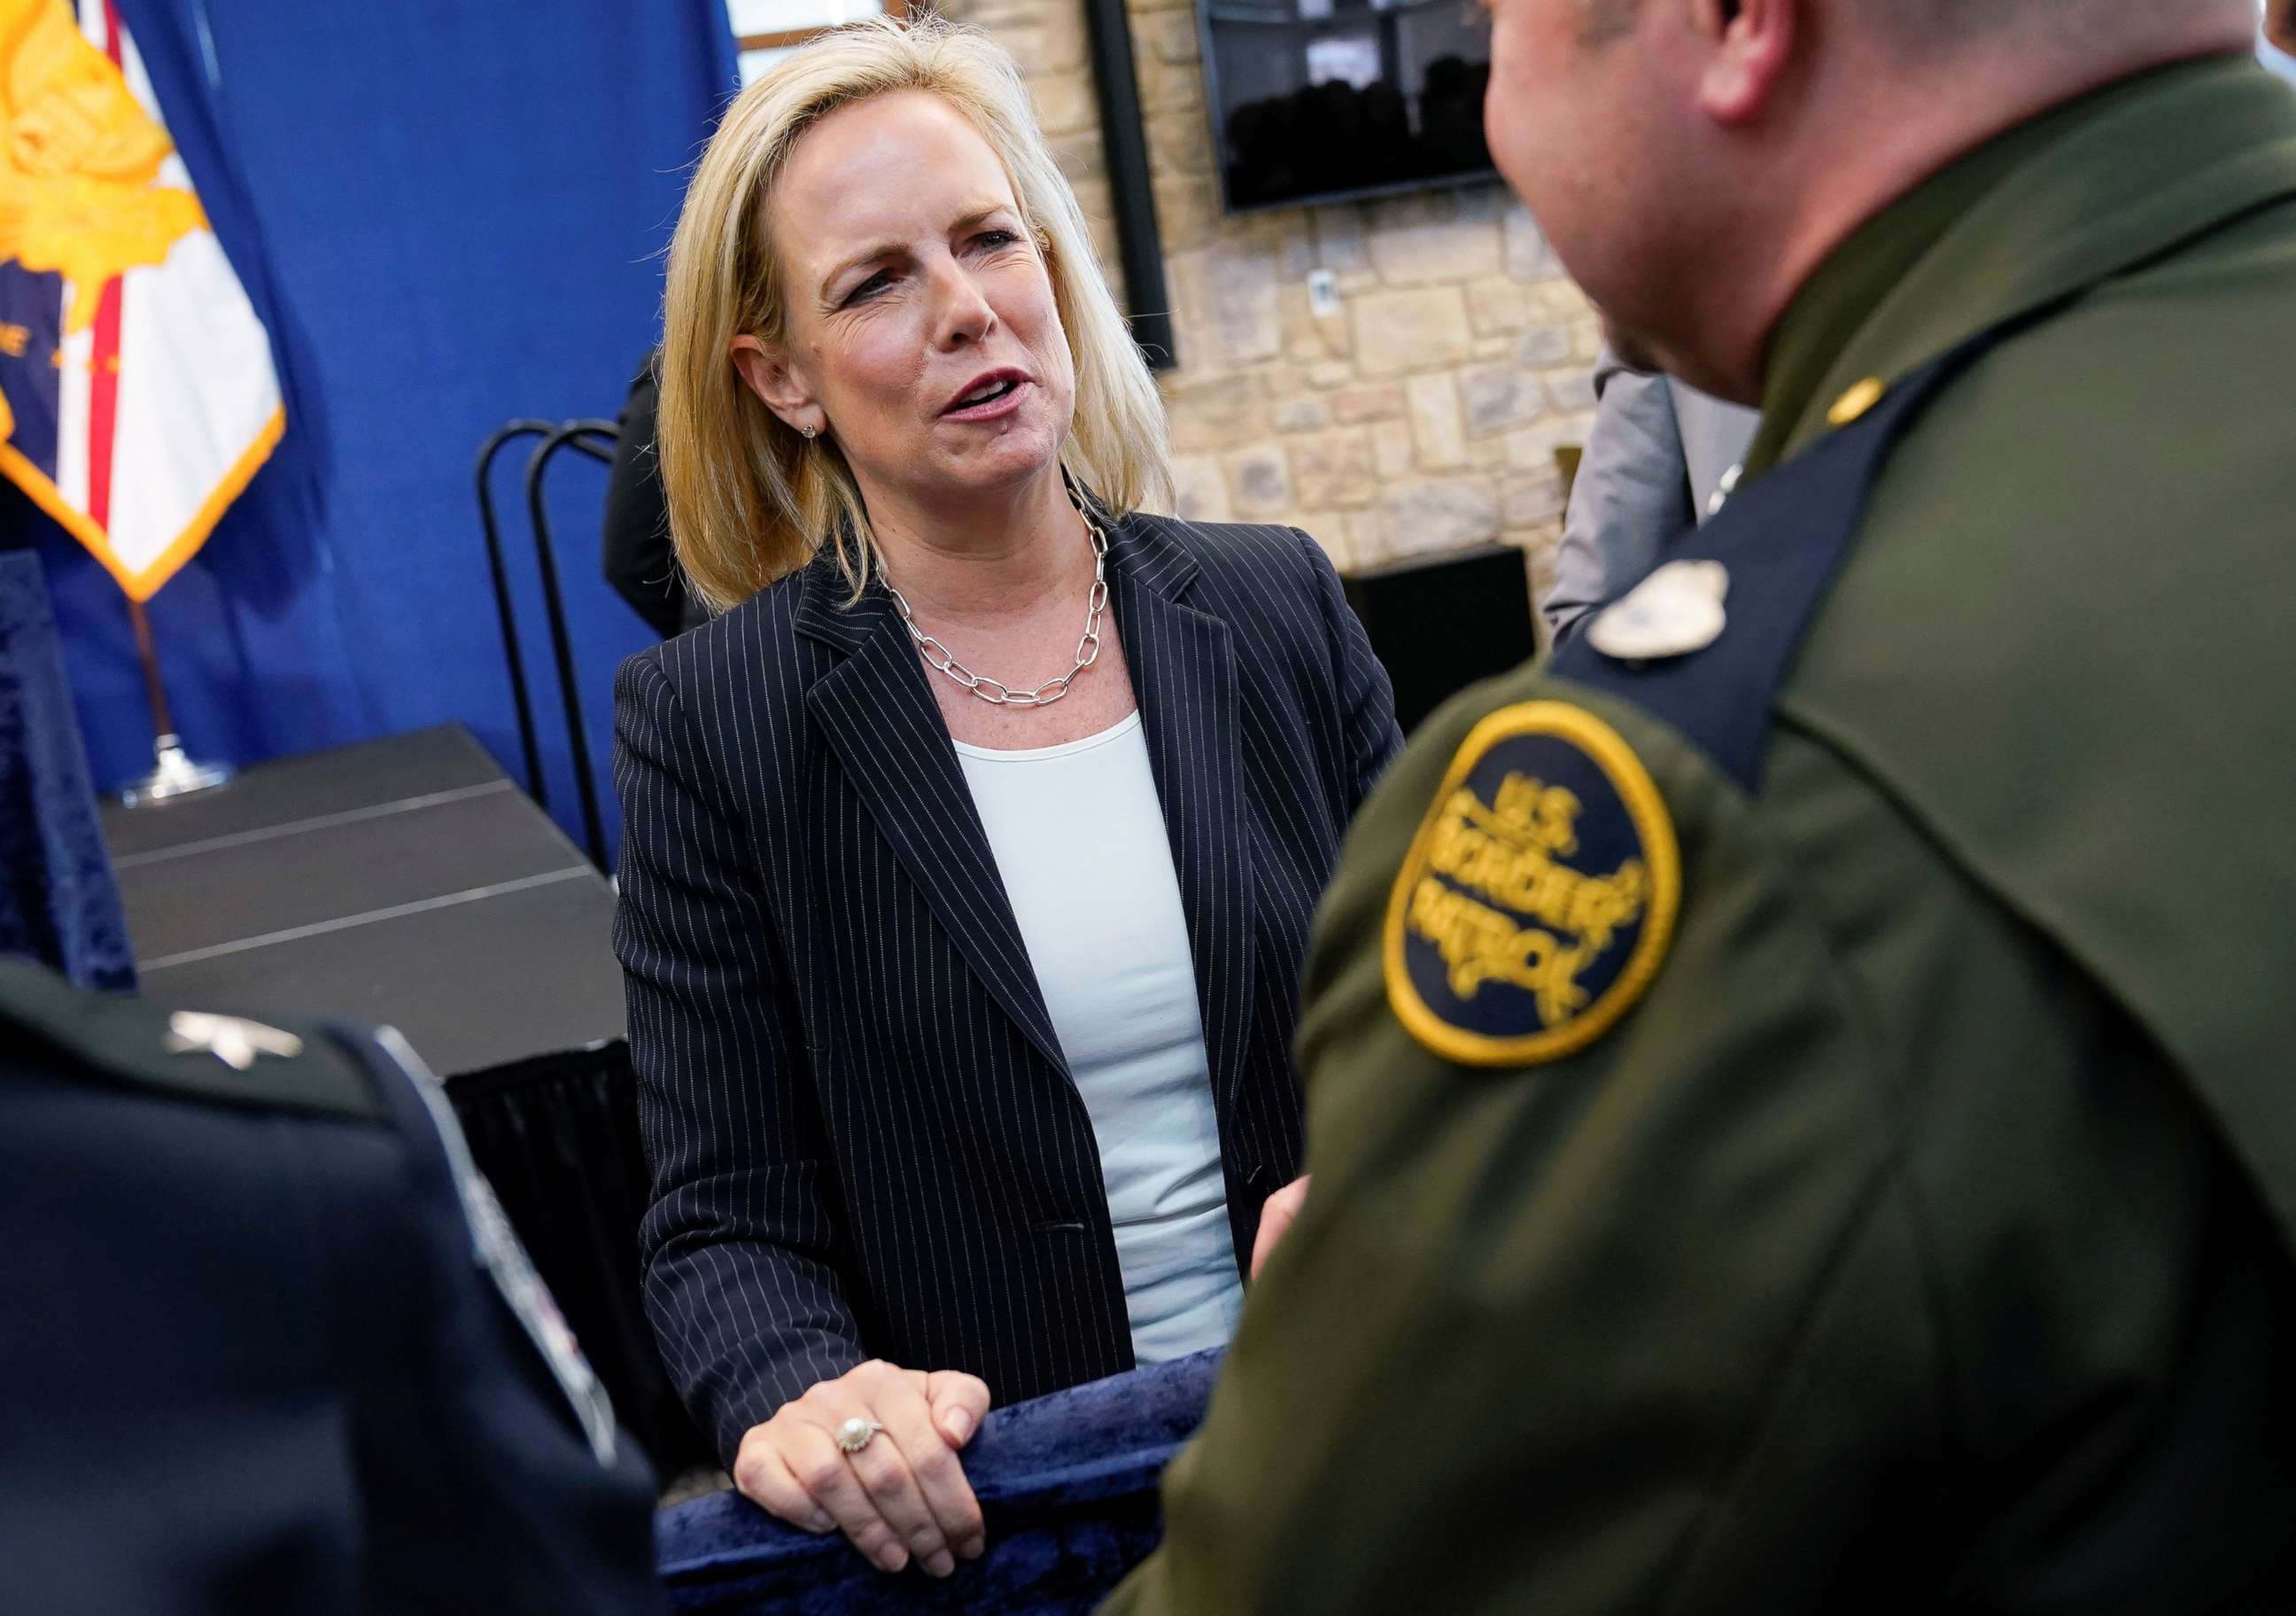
column 234, row 1042
column 1856, row 401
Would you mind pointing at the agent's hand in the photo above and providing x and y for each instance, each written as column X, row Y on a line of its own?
column 1276, row 1217
column 902, row 1494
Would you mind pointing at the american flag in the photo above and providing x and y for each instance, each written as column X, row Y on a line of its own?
column 137, row 390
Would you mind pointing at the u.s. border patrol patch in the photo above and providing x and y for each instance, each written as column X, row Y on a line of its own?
column 1539, row 896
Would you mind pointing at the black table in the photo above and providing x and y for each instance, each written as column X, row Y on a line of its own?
column 405, row 882
column 408, row 882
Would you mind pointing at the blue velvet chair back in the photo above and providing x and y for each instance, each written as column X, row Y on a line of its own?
column 58, row 900
column 1068, row 1485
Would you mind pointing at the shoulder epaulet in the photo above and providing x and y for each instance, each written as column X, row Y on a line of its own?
column 1764, row 559
column 188, row 1054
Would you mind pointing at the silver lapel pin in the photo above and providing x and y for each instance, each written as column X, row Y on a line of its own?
column 235, row 1042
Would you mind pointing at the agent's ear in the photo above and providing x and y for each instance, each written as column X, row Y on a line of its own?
column 769, row 373
column 1753, row 46
column 2280, row 24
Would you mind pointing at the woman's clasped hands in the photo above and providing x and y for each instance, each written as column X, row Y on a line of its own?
column 873, row 1454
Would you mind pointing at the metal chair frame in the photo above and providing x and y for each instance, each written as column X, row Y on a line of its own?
column 593, row 439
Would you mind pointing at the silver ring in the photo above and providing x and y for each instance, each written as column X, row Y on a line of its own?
column 857, row 1433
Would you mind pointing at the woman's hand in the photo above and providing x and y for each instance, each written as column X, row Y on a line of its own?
column 903, row 1494
column 1274, row 1217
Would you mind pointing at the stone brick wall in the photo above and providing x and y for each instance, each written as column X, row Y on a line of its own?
column 1423, row 415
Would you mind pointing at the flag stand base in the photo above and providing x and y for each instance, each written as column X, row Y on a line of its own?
column 173, row 775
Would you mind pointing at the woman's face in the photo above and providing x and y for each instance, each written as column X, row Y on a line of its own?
column 921, row 329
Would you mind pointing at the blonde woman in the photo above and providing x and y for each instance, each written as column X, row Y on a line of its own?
column 969, row 852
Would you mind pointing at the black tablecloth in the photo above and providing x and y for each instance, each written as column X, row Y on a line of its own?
column 558, row 1137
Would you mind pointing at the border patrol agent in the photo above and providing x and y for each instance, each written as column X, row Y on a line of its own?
column 267, row 1342
column 1801, row 1107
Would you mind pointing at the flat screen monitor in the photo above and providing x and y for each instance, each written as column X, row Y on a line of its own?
column 1315, row 101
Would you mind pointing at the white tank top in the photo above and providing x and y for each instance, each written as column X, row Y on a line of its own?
column 1078, row 835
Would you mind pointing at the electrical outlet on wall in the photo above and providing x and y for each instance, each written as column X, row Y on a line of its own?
column 1323, row 293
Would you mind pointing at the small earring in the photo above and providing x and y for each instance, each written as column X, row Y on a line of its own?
column 808, row 431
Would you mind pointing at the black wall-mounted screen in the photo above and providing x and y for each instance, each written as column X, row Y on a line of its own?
column 1317, row 100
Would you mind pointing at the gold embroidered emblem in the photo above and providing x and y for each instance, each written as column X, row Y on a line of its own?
column 1539, row 897
column 79, row 162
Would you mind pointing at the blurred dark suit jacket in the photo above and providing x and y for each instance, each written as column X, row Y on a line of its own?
column 634, row 547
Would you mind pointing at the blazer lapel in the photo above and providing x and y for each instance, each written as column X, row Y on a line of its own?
column 878, row 715
column 1184, row 671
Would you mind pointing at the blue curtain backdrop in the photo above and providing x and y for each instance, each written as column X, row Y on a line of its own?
column 450, row 213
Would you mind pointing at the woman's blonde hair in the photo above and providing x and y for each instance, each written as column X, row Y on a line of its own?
column 750, row 499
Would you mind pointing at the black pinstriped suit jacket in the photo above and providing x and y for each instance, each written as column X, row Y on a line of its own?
column 863, row 1136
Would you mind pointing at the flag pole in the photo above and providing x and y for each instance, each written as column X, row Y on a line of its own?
column 172, row 772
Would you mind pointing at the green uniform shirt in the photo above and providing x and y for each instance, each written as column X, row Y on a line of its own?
column 1905, row 1224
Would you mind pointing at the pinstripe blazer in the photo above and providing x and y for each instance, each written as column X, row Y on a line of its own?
column 864, row 1139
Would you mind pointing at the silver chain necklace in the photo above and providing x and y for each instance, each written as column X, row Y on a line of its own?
column 995, row 692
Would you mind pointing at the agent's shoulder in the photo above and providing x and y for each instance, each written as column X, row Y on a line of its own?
column 108, row 1041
